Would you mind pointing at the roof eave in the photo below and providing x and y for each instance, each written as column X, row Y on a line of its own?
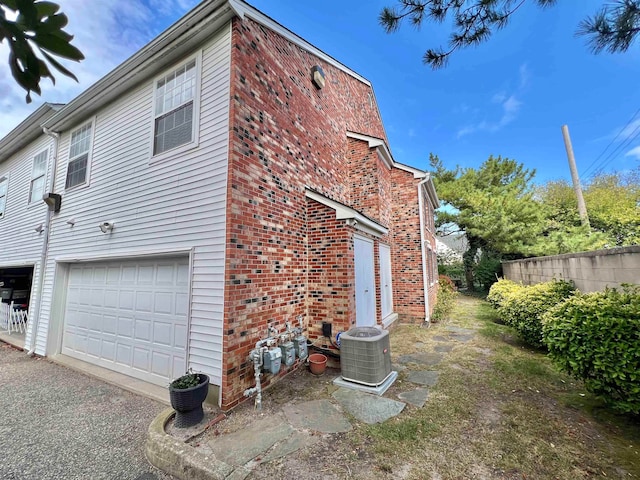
column 161, row 52
column 27, row 131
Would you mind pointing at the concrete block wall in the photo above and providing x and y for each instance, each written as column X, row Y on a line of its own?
column 590, row 271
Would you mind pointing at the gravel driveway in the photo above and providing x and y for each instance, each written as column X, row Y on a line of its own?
column 59, row 424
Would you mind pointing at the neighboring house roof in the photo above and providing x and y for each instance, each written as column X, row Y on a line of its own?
column 456, row 242
column 27, row 131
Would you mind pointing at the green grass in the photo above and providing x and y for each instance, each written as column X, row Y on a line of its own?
column 499, row 410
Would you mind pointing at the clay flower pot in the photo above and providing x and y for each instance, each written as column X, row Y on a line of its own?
column 317, row 363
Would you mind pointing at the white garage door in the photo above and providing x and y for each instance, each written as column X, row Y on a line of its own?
column 131, row 317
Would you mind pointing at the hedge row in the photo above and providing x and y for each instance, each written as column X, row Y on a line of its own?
column 594, row 336
column 522, row 306
column 447, row 293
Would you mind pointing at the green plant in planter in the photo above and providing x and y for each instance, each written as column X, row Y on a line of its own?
column 187, row 393
column 187, row 380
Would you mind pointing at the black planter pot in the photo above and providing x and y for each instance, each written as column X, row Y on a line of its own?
column 187, row 402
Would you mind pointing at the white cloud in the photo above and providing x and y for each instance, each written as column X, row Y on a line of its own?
column 630, row 130
column 107, row 32
column 634, row 152
column 510, row 107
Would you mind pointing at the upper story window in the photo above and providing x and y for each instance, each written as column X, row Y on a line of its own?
column 38, row 174
column 79, row 150
column 4, row 182
column 175, row 108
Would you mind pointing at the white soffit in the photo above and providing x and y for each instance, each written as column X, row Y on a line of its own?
column 354, row 218
column 377, row 143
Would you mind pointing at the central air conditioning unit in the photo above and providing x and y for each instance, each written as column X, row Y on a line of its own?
column 365, row 356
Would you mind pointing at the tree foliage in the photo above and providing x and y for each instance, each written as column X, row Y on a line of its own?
column 613, row 205
column 613, row 28
column 494, row 205
column 37, row 24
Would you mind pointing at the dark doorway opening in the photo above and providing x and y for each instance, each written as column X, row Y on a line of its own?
column 15, row 286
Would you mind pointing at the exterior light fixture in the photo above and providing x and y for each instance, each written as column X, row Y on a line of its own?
column 39, row 228
column 317, row 76
column 106, row 227
column 53, row 200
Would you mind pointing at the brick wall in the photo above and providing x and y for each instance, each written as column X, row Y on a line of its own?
column 284, row 134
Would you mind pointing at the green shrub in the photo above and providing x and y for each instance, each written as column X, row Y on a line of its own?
column 487, row 270
column 522, row 306
column 596, row 337
column 447, row 294
column 500, row 290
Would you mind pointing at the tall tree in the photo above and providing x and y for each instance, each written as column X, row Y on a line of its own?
column 613, row 28
column 493, row 205
column 37, row 24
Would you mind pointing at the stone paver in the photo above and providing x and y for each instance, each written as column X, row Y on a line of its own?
column 240, row 447
column 60, row 424
column 422, row 358
column 417, row 397
column 424, row 377
column 318, row 415
column 366, row 407
column 294, row 442
column 443, row 348
column 440, row 338
column 460, row 330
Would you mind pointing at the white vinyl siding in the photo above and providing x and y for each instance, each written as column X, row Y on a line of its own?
column 79, row 156
column 36, row 190
column 4, row 184
column 175, row 107
column 176, row 205
column 20, row 244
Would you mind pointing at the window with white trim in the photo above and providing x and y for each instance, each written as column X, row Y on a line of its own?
column 4, row 183
column 174, row 108
column 38, row 174
column 79, row 150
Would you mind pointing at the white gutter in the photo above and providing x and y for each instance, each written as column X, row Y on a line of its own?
column 45, row 245
column 425, row 278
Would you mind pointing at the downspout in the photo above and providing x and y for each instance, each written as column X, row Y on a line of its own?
column 425, row 278
column 45, row 244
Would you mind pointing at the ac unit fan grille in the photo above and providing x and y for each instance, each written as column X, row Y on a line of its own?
column 365, row 356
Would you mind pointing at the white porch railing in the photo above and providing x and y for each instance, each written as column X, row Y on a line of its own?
column 12, row 320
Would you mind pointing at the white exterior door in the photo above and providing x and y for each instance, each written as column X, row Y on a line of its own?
column 129, row 316
column 386, row 290
column 365, row 282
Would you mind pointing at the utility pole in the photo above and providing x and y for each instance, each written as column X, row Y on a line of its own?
column 582, row 208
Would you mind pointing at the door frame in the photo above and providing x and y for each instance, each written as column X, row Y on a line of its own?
column 370, row 281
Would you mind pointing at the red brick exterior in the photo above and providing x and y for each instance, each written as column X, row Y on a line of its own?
column 286, row 254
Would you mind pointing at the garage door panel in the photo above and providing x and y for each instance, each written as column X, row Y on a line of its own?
column 131, row 317
column 124, row 354
column 108, row 350
column 94, row 346
column 141, row 358
column 145, row 275
column 144, row 302
column 180, row 337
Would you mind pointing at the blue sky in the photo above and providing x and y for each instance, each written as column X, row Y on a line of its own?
column 509, row 96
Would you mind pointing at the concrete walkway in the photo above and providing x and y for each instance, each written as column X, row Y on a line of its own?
column 59, row 424
column 233, row 456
